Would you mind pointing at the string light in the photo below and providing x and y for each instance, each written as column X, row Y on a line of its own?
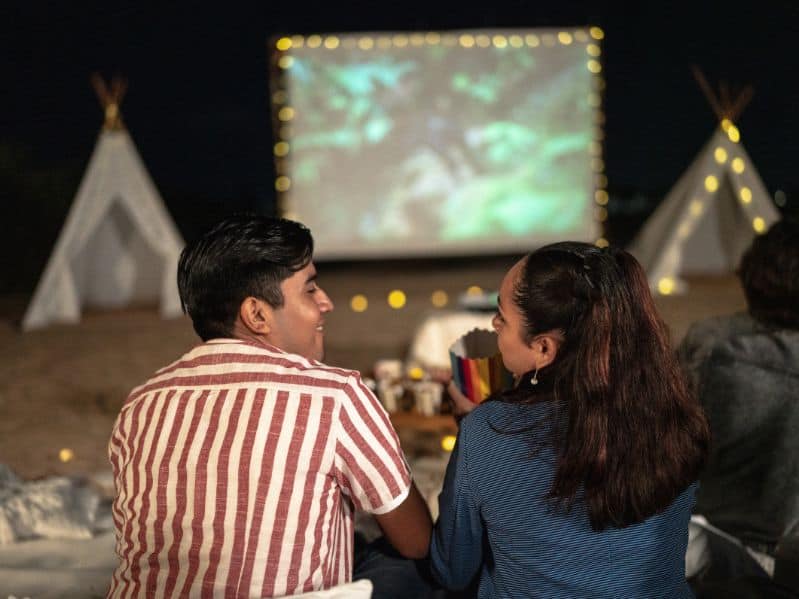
column 448, row 442
column 602, row 242
column 66, row 455
column 297, row 41
column 594, row 66
column 466, row 40
column 331, row 42
column 499, row 41
column 601, row 197
column 532, row 40
column 711, row 183
column 565, row 38
column 285, row 62
column 733, row 134
column 666, row 286
column 314, row 41
column 737, row 165
column 720, row 154
column 396, row 299
column 281, row 148
column 286, row 113
column 439, row 298
column 282, row 183
column 359, row 303
column 517, row 41
column 400, row 41
column 432, row 38
column 366, row 43
column 593, row 50
column 483, row 40
column 759, row 225
column 696, row 208
column 746, row 195
column 596, row 33
column 283, row 44
column 474, row 290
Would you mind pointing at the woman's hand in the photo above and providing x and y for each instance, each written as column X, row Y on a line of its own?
column 461, row 405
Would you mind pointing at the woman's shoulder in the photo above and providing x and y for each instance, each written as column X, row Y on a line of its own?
column 497, row 416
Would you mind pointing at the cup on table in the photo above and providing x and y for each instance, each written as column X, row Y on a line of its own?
column 427, row 397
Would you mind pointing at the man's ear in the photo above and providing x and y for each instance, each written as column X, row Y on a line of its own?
column 545, row 348
column 256, row 315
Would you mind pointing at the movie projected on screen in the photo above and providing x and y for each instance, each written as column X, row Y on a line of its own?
column 449, row 143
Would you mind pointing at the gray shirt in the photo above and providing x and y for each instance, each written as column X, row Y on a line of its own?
column 746, row 374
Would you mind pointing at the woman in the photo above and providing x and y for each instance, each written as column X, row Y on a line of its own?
column 579, row 482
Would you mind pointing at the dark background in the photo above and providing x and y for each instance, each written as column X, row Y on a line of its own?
column 198, row 109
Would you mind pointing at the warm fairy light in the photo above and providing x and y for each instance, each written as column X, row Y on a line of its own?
column 286, row 113
column 396, row 299
column 285, row 62
column 474, row 290
column 666, row 286
column 737, row 165
column 432, row 38
column 281, row 148
column 500, row 41
column 314, row 41
column 283, row 44
column 696, row 208
column 711, row 183
column 359, row 303
column 532, row 40
column 596, row 33
column 331, row 42
column 733, row 134
column 725, row 124
column 602, row 242
column 601, row 197
column 415, row 373
column 279, row 97
column 448, row 442
column 593, row 50
column 366, row 43
column 66, row 455
column 720, row 154
column 417, row 39
column 297, row 41
column 746, row 195
column 383, row 42
column 594, row 66
column 565, row 38
column 684, row 230
column 400, row 41
column 282, row 183
column 482, row 40
column 517, row 41
column 759, row 225
column 466, row 40
column 439, row 298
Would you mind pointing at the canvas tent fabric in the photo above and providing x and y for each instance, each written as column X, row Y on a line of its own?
column 118, row 245
column 708, row 219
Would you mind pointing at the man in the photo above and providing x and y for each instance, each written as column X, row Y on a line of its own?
column 745, row 368
column 238, row 467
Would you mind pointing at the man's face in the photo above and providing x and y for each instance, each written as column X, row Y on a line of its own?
column 298, row 326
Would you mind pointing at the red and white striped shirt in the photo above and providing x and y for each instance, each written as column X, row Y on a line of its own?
column 237, row 472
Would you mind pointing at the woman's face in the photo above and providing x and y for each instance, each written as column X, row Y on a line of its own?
column 517, row 355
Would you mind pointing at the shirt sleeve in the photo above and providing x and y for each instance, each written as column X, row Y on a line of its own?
column 370, row 465
column 456, row 547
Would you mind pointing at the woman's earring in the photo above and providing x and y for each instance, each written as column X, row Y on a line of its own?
column 534, row 380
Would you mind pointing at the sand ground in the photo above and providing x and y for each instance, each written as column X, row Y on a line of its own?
column 61, row 387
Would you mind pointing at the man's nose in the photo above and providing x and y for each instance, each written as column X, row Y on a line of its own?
column 325, row 303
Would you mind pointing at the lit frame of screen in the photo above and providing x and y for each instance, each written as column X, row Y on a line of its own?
column 440, row 143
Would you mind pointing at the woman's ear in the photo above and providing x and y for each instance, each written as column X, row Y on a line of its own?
column 255, row 315
column 545, row 348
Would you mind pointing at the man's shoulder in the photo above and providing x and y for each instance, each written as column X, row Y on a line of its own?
column 236, row 362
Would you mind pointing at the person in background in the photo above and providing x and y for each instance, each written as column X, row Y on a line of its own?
column 579, row 481
column 745, row 368
column 238, row 468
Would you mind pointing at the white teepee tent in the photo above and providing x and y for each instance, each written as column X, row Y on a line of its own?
column 118, row 245
column 709, row 217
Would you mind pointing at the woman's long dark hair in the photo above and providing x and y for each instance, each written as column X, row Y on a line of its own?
column 633, row 436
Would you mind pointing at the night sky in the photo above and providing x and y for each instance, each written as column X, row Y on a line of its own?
column 197, row 105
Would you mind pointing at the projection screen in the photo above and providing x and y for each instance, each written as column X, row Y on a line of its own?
column 439, row 143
